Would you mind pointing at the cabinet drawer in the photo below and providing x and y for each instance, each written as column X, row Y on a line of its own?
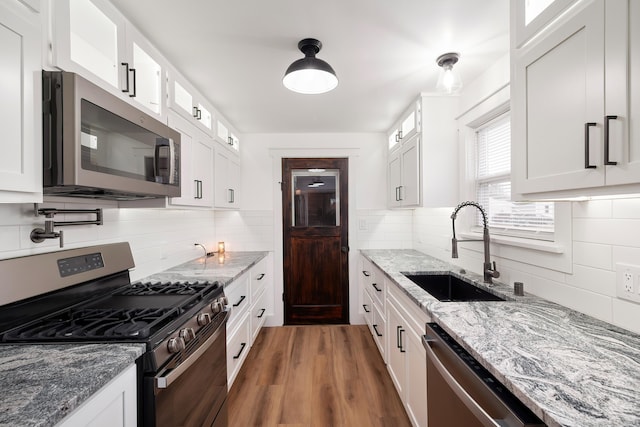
column 367, row 306
column 377, row 288
column 259, row 277
column 258, row 314
column 238, row 343
column 238, row 295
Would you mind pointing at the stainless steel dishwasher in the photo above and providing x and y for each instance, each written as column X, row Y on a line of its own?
column 460, row 392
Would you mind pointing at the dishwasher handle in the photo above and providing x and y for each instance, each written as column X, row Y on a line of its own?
column 464, row 397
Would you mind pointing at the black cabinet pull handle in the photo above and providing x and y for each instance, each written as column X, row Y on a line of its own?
column 402, row 350
column 242, row 346
column 606, row 140
column 375, row 328
column 262, row 310
column 239, row 301
column 365, row 308
column 195, row 112
column 197, row 189
column 133, row 71
column 398, row 137
column 260, row 277
column 400, row 134
column 398, row 344
column 375, row 286
column 586, row 145
column 366, row 273
column 126, row 73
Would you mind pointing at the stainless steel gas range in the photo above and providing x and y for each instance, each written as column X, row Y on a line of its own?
column 85, row 295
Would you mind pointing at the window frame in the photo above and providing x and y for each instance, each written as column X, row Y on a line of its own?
column 554, row 255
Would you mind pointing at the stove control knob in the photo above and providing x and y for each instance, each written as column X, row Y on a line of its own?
column 187, row 334
column 217, row 306
column 175, row 345
column 224, row 300
column 203, row 319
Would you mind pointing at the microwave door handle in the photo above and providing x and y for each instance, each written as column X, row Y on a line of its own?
column 464, row 397
column 173, row 375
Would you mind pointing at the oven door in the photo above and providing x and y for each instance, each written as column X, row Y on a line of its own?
column 191, row 392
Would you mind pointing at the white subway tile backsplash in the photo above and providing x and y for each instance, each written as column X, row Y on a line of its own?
column 593, row 279
column 626, row 208
column 592, row 209
column 593, row 254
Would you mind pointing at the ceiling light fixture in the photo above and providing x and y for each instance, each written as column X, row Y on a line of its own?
column 310, row 75
column 448, row 81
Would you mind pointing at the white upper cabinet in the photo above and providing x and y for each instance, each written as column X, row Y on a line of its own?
column 196, row 174
column 21, row 106
column 406, row 127
column 186, row 101
column 93, row 39
column 575, row 105
column 227, row 136
column 528, row 17
column 227, row 179
column 422, row 165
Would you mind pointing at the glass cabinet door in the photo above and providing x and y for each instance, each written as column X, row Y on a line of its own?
column 315, row 198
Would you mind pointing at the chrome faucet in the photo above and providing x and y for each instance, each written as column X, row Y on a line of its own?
column 488, row 269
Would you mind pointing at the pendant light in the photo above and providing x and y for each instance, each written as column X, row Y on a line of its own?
column 310, row 75
column 448, row 81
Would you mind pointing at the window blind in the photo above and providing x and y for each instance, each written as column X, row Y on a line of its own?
column 493, row 187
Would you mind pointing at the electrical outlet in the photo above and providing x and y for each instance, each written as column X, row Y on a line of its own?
column 628, row 282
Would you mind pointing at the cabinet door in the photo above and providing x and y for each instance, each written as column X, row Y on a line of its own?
column 227, row 176
column 20, row 109
column 623, row 90
column 396, row 355
column 202, row 167
column 395, row 180
column 558, row 89
column 416, row 385
column 529, row 17
column 146, row 82
column 410, row 160
column 196, row 159
column 90, row 39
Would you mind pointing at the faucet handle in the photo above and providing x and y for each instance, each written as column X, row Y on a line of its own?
column 494, row 271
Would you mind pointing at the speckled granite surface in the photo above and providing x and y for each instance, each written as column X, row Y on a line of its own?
column 41, row 384
column 223, row 268
column 569, row 368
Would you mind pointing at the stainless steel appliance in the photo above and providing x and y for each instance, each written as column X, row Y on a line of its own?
column 460, row 392
column 96, row 145
column 85, row 295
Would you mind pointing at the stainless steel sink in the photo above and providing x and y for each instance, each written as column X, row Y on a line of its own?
column 446, row 287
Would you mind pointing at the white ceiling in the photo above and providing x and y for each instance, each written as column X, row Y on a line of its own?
column 383, row 51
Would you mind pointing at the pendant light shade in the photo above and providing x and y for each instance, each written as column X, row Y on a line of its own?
column 310, row 75
column 448, row 81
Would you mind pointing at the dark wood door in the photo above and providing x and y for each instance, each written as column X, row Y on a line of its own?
column 316, row 241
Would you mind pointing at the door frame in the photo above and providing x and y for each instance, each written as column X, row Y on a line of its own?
column 317, row 314
column 277, row 154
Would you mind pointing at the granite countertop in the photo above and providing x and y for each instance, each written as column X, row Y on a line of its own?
column 568, row 368
column 223, row 268
column 41, row 384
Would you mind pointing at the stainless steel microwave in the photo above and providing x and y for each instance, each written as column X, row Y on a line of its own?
column 96, row 145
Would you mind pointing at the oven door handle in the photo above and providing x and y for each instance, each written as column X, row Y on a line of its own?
column 464, row 397
column 166, row 380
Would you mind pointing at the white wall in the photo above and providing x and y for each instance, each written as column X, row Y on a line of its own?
column 603, row 233
column 159, row 239
column 262, row 169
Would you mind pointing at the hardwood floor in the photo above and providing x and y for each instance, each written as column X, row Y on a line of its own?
column 315, row 376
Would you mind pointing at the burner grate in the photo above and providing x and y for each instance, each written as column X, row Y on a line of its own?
column 166, row 288
column 94, row 323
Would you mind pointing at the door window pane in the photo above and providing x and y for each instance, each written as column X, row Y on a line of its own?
column 315, row 198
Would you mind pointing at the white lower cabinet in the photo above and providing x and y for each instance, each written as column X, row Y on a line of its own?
column 249, row 300
column 238, row 343
column 406, row 359
column 373, row 291
column 114, row 405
